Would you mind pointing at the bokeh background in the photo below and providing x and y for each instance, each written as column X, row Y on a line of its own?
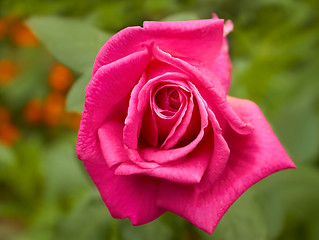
column 45, row 192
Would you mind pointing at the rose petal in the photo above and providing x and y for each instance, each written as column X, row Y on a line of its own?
column 205, row 37
column 180, row 127
column 117, row 48
column 228, row 26
column 136, row 158
column 157, row 68
column 111, row 84
column 221, row 68
column 188, row 170
column 111, row 143
column 134, row 117
column 252, row 157
column 149, row 129
column 219, row 158
column 165, row 123
column 126, row 196
column 176, row 38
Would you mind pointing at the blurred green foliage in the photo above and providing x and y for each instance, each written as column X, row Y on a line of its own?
column 45, row 192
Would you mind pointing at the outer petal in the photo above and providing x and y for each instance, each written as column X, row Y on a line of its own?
column 221, row 68
column 197, row 41
column 121, row 44
column 182, row 39
column 109, row 86
column 252, row 157
column 126, row 196
column 111, row 143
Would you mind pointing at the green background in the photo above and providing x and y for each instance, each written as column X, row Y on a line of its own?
column 45, row 192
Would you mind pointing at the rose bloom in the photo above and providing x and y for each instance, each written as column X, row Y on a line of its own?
column 159, row 133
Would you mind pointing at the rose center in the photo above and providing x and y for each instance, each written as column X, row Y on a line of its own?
column 168, row 100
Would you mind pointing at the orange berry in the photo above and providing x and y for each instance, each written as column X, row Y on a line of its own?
column 22, row 36
column 53, row 110
column 5, row 115
column 60, row 78
column 9, row 134
column 33, row 111
column 72, row 120
column 3, row 28
column 8, row 70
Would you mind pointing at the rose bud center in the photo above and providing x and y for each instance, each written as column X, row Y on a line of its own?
column 167, row 100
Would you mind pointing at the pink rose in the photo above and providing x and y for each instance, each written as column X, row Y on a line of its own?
column 159, row 133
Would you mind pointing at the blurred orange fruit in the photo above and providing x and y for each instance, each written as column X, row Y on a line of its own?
column 53, row 109
column 3, row 29
column 72, row 120
column 8, row 70
column 9, row 133
column 33, row 111
column 60, row 78
column 22, row 36
column 4, row 115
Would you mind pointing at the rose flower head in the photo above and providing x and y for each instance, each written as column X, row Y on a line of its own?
column 159, row 132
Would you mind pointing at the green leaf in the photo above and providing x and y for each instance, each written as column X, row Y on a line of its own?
column 74, row 43
column 63, row 172
column 76, row 95
column 243, row 221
